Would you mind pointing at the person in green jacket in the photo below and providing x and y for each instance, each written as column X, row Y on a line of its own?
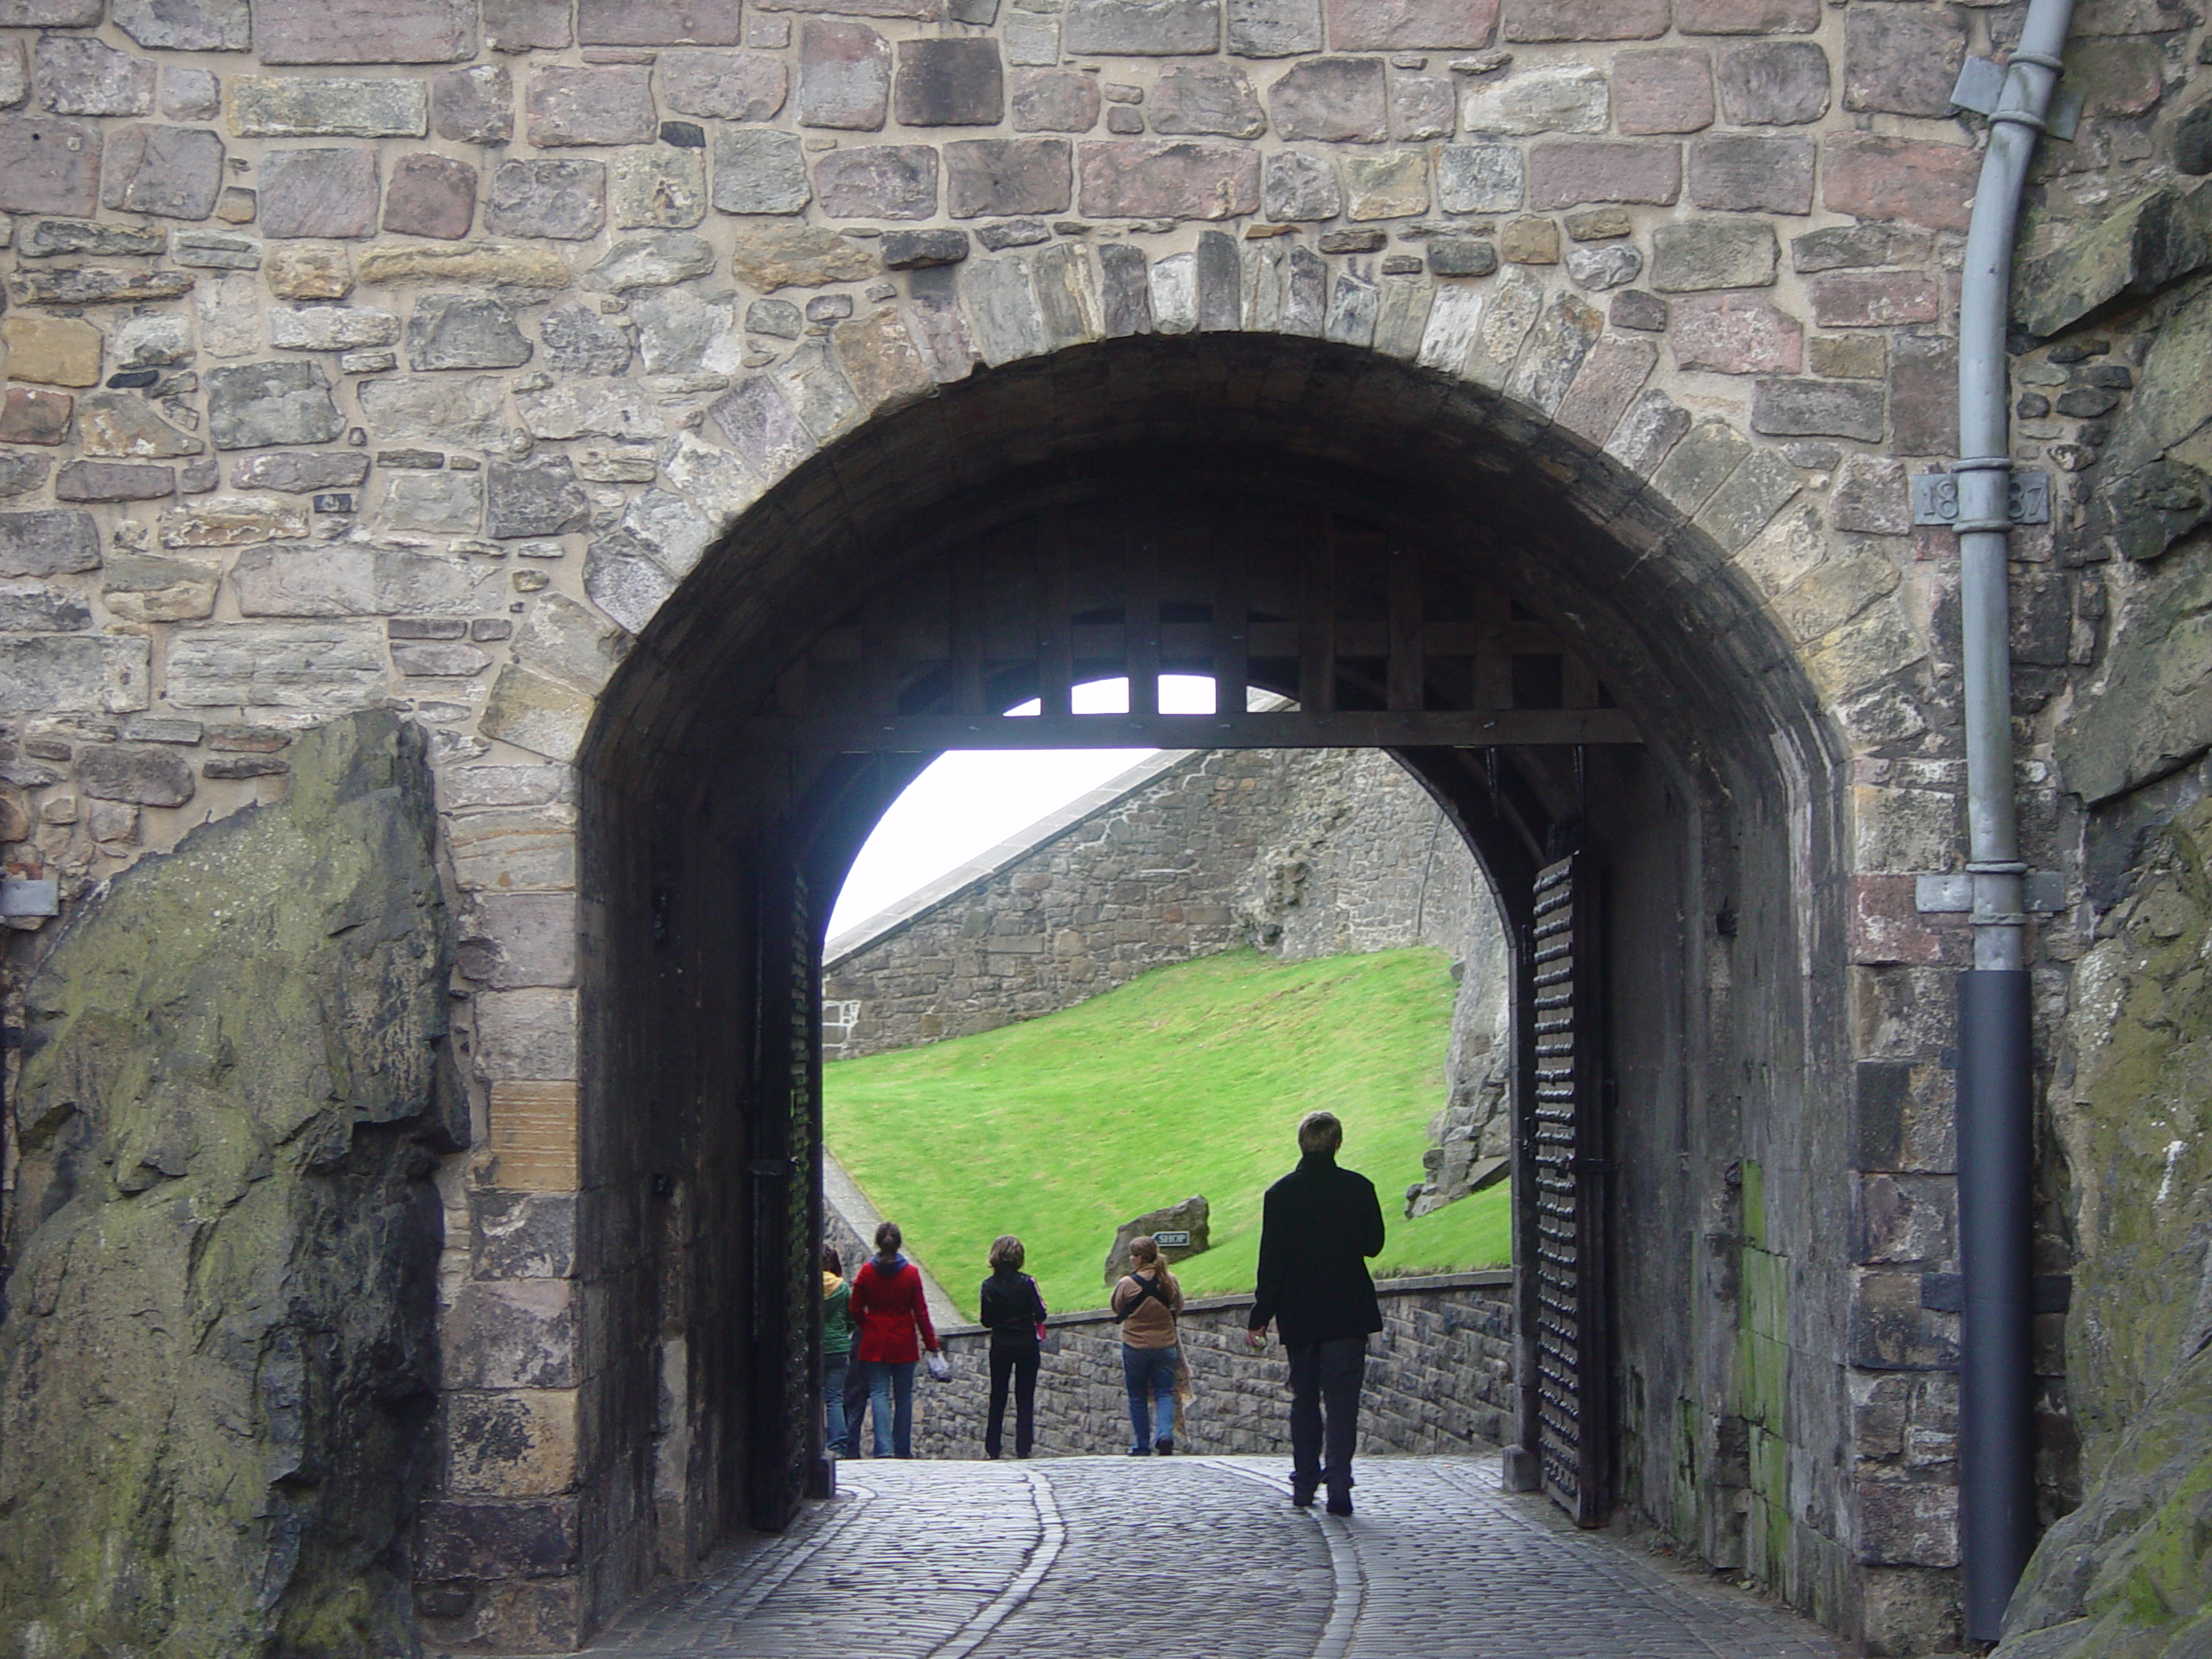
column 837, row 1336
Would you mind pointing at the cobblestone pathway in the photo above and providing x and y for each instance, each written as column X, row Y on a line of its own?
column 1196, row 1558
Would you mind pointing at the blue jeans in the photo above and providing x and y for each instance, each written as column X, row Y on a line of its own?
column 891, row 1401
column 834, row 1369
column 1150, row 1375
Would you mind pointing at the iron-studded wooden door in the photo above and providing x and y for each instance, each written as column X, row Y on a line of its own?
column 1574, row 1426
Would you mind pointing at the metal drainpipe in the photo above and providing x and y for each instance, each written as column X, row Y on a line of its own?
column 1996, row 1112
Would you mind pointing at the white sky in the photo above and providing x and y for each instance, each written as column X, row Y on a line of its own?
column 966, row 801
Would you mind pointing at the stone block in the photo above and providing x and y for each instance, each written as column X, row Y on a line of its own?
column 1692, row 255
column 1747, row 16
column 1422, row 106
column 1611, row 375
column 1748, row 499
column 95, row 285
column 114, row 481
column 1335, row 100
column 1008, row 175
column 45, row 237
column 1142, row 28
column 216, row 250
column 538, row 497
column 1872, row 175
column 475, row 106
column 355, row 579
column 762, row 426
column 313, row 665
column 1735, row 333
column 1567, row 173
column 1902, row 60
column 48, row 166
column 190, row 94
column 514, row 940
column 1558, row 346
column 757, row 170
column 49, row 14
column 950, row 83
column 1584, row 19
column 1773, row 84
column 1558, row 97
column 1205, row 100
column 748, row 86
column 32, row 608
column 142, row 587
column 477, row 262
column 21, row 474
column 1612, row 265
column 1668, row 90
column 526, row 25
column 657, row 22
column 1187, row 179
column 186, row 26
column 1274, row 28
column 1908, row 1523
column 570, row 105
column 1054, row 100
column 637, row 261
column 301, row 472
column 143, row 777
column 1828, row 409
column 32, row 417
column 511, row 1442
column 565, row 201
column 430, row 195
column 895, row 181
column 1478, row 178
column 47, row 542
column 1299, row 188
column 879, row 358
column 319, row 193
column 762, row 36
column 844, row 76
column 1529, row 241
column 363, row 31
column 1848, row 357
column 1461, row 256
column 513, row 1333
column 1410, row 25
column 15, row 74
column 260, row 405
column 1884, row 298
column 52, row 350
column 300, row 106
column 78, row 75
column 75, row 673
column 1388, row 184
column 658, row 187
column 1924, row 396
column 773, row 256
column 463, row 331
column 1740, row 173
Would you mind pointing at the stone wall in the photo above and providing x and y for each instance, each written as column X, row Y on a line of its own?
column 1439, row 1379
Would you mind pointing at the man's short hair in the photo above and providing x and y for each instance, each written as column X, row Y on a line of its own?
column 1319, row 1132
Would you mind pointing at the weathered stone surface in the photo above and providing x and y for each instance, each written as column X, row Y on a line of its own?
column 186, row 26
column 1008, row 175
column 53, row 351
column 1478, row 178
column 15, row 74
column 76, row 673
column 1565, row 174
column 1747, row 16
column 258, row 406
column 578, row 341
column 463, row 331
column 309, row 273
column 28, row 415
column 1564, row 98
column 1665, row 91
column 350, row 579
column 45, row 237
column 1192, row 1217
column 319, row 193
column 661, row 187
column 430, row 195
column 680, row 334
column 1776, row 83
column 1143, row 28
column 190, row 94
column 2145, row 245
column 1386, row 184
column 1274, row 28
column 363, row 31
column 773, row 256
column 1736, row 333
column 110, row 480
column 539, row 497
column 475, row 106
column 460, row 411
column 1203, row 99
column 1461, row 256
column 47, row 543
column 581, row 104
column 96, row 285
column 657, row 22
column 1587, row 20
column 1691, row 255
column 48, row 166
column 1837, row 409
column 448, row 503
column 523, row 25
column 298, row 1165
column 1924, row 396
column 1740, row 173
column 1596, row 269
column 1410, row 25
column 480, row 262
column 145, row 777
column 1054, row 100
column 1298, row 188
column 1332, row 100
column 1902, row 60
column 844, row 76
column 950, row 83
column 34, row 607
column 639, row 262
column 216, row 250
column 878, row 181
column 20, row 474
column 725, row 86
column 233, row 521
column 591, row 409
column 1610, row 376
column 1191, row 179
column 757, row 170
column 78, row 75
column 562, row 200
column 301, row 472
column 301, row 106
column 1871, row 175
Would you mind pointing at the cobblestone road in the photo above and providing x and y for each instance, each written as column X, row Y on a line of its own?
column 1195, row 1558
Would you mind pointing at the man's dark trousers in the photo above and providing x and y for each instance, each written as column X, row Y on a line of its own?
column 1325, row 1384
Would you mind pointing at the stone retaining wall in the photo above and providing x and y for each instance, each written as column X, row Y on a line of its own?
column 1440, row 1378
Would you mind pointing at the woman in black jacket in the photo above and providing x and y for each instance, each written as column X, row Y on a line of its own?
column 1014, row 1310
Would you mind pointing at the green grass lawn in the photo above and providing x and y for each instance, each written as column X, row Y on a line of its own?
column 1189, row 1079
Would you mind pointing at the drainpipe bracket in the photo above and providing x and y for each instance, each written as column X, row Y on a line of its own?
column 1936, row 501
column 1980, row 89
column 1953, row 895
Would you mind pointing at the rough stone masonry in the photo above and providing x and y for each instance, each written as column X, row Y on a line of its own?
column 408, row 354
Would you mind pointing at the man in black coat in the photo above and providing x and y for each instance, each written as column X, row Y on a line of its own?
column 1319, row 1225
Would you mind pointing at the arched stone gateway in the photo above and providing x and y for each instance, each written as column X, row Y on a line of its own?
column 564, row 376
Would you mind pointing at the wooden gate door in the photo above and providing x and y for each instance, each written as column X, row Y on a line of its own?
column 1573, row 1428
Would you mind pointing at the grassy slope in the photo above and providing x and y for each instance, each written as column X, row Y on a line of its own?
column 1190, row 1079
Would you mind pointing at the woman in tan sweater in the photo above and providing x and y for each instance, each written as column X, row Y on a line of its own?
column 1146, row 1302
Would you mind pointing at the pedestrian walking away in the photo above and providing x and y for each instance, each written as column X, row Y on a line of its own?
column 1318, row 1226
column 1013, row 1308
column 894, row 1317
column 837, row 1335
column 1146, row 1301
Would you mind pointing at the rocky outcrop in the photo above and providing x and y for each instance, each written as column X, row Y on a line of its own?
column 2125, row 1575
column 217, row 1363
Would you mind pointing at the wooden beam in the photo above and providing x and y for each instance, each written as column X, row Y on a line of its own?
column 1141, row 609
column 1317, row 621
column 1289, row 730
column 1231, row 625
column 967, row 642
column 1408, row 677
column 1055, row 643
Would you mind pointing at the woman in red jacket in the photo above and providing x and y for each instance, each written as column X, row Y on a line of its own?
column 894, row 1317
